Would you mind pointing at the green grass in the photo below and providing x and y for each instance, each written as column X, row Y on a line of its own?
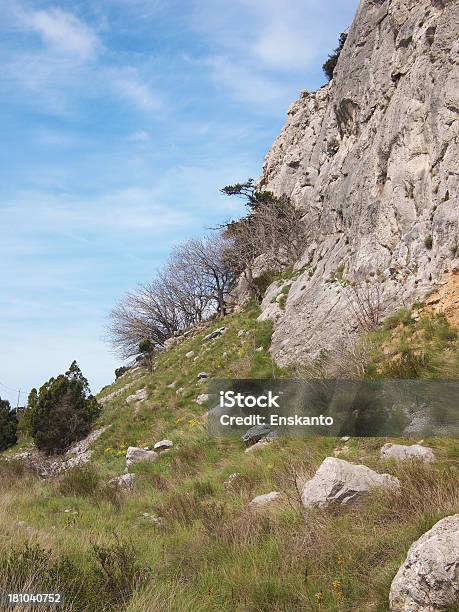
column 80, row 535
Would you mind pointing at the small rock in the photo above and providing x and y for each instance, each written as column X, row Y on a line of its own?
column 263, row 443
column 203, row 397
column 345, row 439
column 259, row 349
column 189, row 355
column 163, row 445
column 203, row 376
column 338, row 481
column 139, row 396
column 400, row 452
column 263, row 500
column 344, row 450
column 180, row 390
column 215, row 334
column 428, row 580
column 125, row 481
column 135, row 455
column 255, row 433
column 240, row 333
column 172, row 385
column 229, row 482
column 153, row 518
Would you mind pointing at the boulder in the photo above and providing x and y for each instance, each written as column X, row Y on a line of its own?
column 139, row 396
column 125, row 481
column 341, row 482
column 135, row 455
column 428, row 580
column 400, row 452
column 203, row 397
column 215, row 334
column 255, row 433
column 203, row 376
column 163, row 445
column 263, row 500
column 189, row 355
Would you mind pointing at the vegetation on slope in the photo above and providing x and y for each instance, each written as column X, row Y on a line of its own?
column 184, row 540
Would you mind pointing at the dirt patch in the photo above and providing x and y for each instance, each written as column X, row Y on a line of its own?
column 446, row 299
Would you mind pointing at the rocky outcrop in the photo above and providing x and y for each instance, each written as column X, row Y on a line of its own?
column 138, row 396
column 372, row 159
column 340, row 482
column 428, row 580
column 50, row 465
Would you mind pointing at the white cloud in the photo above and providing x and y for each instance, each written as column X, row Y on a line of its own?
column 140, row 136
column 248, row 84
column 128, row 83
column 279, row 45
column 63, row 33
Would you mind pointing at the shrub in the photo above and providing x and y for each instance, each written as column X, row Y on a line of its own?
column 8, row 425
column 63, row 411
column 428, row 242
column 330, row 65
column 118, row 570
column 120, row 371
column 82, row 480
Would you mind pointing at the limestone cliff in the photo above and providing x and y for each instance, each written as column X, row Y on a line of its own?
column 372, row 158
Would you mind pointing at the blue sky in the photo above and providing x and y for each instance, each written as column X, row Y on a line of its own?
column 120, row 121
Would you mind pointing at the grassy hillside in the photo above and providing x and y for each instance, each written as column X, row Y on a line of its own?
column 184, row 540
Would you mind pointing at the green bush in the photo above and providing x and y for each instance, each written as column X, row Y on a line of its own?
column 120, row 371
column 330, row 65
column 8, row 425
column 428, row 242
column 63, row 411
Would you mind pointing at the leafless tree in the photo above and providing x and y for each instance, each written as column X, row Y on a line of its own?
column 364, row 297
column 194, row 284
column 207, row 260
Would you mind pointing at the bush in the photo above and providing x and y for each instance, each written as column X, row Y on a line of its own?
column 330, row 65
column 121, row 370
column 63, row 411
column 428, row 242
column 8, row 425
column 82, row 480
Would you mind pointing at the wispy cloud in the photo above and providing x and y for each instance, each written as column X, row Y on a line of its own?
column 63, row 32
column 139, row 136
column 128, row 83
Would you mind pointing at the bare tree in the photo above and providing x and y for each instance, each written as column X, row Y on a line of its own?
column 206, row 259
column 194, row 284
column 364, row 297
column 273, row 228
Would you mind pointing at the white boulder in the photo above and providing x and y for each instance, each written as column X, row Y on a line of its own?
column 163, row 445
column 428, row 580
column 135, row 455
column 341, row 482
column 203, row 397
column 263, row 500
column 125, row 481
column 401, row 452
column 139, row 396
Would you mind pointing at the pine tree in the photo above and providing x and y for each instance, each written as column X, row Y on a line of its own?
column 63, row 412
column 8, row 425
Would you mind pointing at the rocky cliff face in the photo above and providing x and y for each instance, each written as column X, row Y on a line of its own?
column 372, row 158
